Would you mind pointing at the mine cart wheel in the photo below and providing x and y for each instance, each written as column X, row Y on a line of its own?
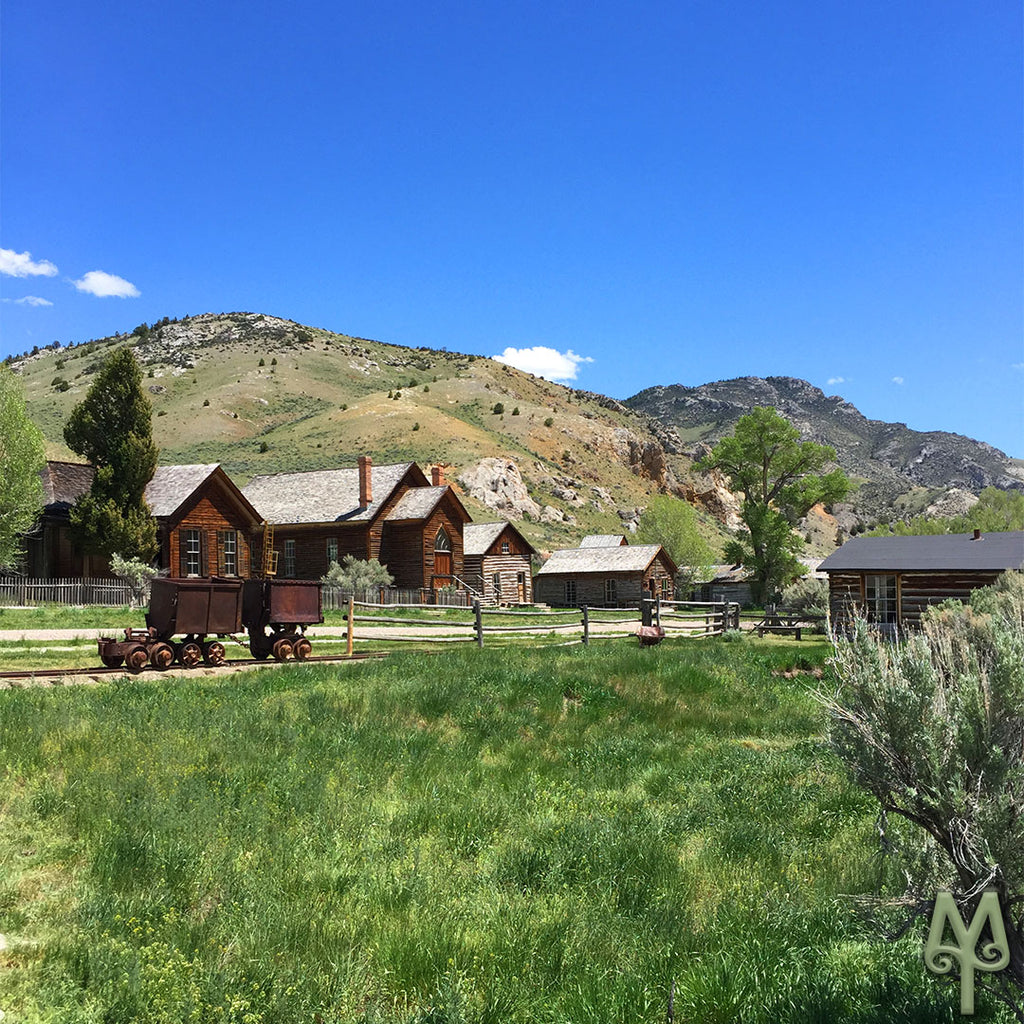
column 302, row 649
column 136, row 658
column 190, row 654
column 213, row 653
column 112, row 660
column 161, row 656
column 283, row 649
column 259, row 646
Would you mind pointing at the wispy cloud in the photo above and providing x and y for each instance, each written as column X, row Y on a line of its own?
column 1017, row 366
column 30, row 300
column 545, row 362
column 104, row 285
column 897, row 380
column 836, row 380
column 21, row 264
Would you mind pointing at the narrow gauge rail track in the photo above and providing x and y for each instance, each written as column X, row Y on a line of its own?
column 102, row 670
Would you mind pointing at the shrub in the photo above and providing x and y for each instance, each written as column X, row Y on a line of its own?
column 498, row 408
column 416, row 425
column 549, row 422
column 262, row 362
column 515, row 411
column 808, row 595
column 162, row 412
column 264, row 447
column 206, row 401
column 273, row 362
column 137, row 574
column 357, row 574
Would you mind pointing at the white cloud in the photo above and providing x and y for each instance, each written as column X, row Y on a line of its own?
column 836, row 380
column 1017, row 366
column 30, row 300
column 20, row 264
column 104, row 285
column 544, row 362
column 897, row 380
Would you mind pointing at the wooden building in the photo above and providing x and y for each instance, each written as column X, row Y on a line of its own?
column 607, row 577
column 604, row 540
column 49, row 553
column 205, row 525
column 498, row 556
column 891, row 580
column 412, row 525
column 725, row 583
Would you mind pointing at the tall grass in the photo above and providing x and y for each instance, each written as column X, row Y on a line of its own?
column 552, row 835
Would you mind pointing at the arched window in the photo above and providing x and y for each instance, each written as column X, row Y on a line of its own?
column 442, row 542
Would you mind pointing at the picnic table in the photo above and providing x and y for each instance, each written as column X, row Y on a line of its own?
column 787, row 622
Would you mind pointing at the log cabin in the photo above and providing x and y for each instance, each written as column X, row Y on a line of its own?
column 205, row 524
column 498, row 556
column 605, row 577
column 892, row 580
column 412, row 525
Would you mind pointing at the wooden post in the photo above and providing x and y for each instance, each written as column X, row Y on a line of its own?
column 351, row 624
column 657, row 611
column 645, row 611
column 586, row 626
column 478, row 624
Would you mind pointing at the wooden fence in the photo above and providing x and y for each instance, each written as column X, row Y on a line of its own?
column 21, row 591
column 336, row 599
column 690, row 618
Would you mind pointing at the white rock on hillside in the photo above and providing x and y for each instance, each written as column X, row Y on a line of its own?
column 498, row 484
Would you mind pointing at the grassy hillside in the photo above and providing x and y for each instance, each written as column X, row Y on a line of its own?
column 462, row 840
column 262, row 395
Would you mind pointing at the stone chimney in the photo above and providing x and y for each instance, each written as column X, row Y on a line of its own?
column 977, row 534
column 365, row 485
column 437, row 476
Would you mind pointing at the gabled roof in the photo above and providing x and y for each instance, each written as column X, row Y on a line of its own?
column 172, row 486
column 64, row 483
column 477, row 538
column 323, row 496
column 727, row 574
column 420, row 502
column 604, row 540
column 993, row 552
column 636, row 558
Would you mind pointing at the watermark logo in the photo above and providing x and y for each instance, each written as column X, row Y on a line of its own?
column 940, row 957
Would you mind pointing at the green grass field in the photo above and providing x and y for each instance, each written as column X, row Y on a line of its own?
column 539, row 836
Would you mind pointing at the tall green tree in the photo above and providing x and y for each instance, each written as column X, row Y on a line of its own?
column 112, row 429
column 780, row 478
column 672, row 523
column 21, row 459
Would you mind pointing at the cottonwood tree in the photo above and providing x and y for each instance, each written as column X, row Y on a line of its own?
column 672, row 523
column 112, row 429
column 21, row 460
column 781, row 478
column 933, row 727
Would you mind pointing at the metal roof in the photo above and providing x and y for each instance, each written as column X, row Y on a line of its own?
column 949, row 551
column 634, row 558
column 603, row 540
column 322, row 496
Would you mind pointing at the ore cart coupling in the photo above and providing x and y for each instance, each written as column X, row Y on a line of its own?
column 276, row 614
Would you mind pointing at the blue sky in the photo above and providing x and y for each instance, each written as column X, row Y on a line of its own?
column 671, row 192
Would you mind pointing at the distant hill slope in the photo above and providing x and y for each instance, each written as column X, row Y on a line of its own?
column 899, row 469
column 262, row 395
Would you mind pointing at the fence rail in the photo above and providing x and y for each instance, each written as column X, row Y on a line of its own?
column 336, row 599
column 22, row 591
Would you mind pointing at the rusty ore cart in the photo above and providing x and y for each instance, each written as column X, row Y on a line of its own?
column 285, row 608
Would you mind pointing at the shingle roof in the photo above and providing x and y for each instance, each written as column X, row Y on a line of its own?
column 610, row 559
column 603, row 540
column 951, row 551
column 416, row 503
column 322, row 496
column 171, row 486
column 478, row 537
column 727, row 574
column 65, row 482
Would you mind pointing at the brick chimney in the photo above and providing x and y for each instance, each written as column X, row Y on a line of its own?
column 977, row 534
column 365, row 485
column 437, row 476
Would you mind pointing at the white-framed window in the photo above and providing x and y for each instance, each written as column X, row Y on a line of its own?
column 611, row 592
column 289, row 558
column 227, row 542
column 570, row 592
column 192, row 552
column 332, row 550
column 880, row 599
column 505, row 549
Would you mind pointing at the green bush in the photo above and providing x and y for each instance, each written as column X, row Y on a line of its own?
column 498, row 408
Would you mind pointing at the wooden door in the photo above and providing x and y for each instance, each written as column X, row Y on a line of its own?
column 442, row 563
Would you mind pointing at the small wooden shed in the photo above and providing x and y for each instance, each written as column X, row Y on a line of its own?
column 498, row 560
column 891, row 580
column 609, row 577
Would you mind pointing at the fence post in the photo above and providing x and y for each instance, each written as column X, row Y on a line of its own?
column 478, row 624
column 586, row 626
column 351, row 625
column 645, row 611
column 657, row 611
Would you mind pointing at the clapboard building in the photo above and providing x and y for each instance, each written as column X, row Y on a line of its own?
column 497, row 559
column 892, row 580
column 609, row 576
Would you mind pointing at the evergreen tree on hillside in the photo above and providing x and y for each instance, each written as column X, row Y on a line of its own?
column 21, row 459
column 111, row 428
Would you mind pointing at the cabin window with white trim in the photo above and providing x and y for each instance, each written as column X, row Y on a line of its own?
column 611, row 592
column 227, row 542
column 570, row 592
column 193, row 549
column 880, row 599
column 332, row 550
column 289, row 558
column 505, row 549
